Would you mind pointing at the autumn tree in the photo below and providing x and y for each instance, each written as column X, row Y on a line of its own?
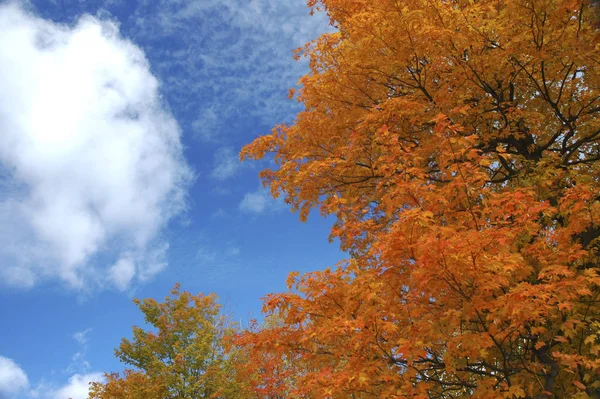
column 180, row 357
column 458, row 144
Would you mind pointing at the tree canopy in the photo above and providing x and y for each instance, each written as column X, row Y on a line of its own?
column 181, row 356
column 457, row 144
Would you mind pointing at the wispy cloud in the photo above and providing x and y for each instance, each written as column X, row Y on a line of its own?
column 226, row 164
column 208, row 256
column 216, row 259
column 79, row 362
column 226, row 62
column 261, row 201
column 219, row 213
column 91, row 164
column 81, row 337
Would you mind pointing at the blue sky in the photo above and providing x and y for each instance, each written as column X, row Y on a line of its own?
column 120, row 122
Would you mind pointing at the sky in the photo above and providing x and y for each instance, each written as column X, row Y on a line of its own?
column 120, row 127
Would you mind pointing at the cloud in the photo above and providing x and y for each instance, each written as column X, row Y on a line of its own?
column 261, row 201
column 207, row 255
column 12, row 378
column 219, row 213
column 77, row 387
column 206, row 125
column 219, row 262
column 81, row 336
column 226, row 164
column 79, row 362
column 91, row 164
column 78, row 384
column 122, row 272
column 226, row 62
column 255, row 202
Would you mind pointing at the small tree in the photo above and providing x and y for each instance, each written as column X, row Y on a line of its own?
column 181, row 357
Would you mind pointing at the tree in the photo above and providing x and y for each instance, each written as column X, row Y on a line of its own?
column 457, row 143
column 182, row 356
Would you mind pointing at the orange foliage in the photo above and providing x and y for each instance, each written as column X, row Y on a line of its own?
column 458, row 144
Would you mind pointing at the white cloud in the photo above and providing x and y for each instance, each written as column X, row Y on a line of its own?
column 12, row 378
column 122, row 272
column 255, row 202
column 225, row 164
column 260, row 201
column 91, row 164
column 77, row 387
